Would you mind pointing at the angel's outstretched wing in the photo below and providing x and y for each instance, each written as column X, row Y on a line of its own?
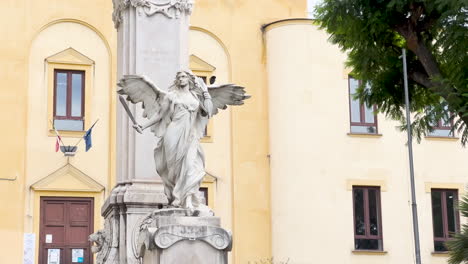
column 227, row 94
column 141, row 89
column 154, row 101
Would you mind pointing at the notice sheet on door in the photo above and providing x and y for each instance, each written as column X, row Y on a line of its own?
column 53, row 256
column 77, row 255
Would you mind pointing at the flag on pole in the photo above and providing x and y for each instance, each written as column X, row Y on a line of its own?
column 58, row 139
column 87, row 137
column 57, row 143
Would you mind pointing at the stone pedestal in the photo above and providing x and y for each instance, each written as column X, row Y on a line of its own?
column 124, row 211
column 169, row 236
column 135, row 233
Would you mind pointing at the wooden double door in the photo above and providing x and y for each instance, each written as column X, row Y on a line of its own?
column 65, row 225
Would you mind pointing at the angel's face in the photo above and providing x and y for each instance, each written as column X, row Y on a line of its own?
column 183, row 79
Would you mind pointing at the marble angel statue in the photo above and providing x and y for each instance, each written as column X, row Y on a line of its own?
column 178, row 118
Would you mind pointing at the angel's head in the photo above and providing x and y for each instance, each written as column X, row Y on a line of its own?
column 184, row 78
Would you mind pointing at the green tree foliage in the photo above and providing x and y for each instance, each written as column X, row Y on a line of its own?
column 435, row 33
column 458, row 246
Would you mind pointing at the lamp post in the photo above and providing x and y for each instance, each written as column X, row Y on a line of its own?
column 410, row 156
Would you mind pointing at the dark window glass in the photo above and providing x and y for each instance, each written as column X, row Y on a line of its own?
column 451, row 212
column 359, row 212
column 437, row 214
column 445, row 219
column 439, row 246
column 367, row 219
column 373, row 213
column 368, row 244
column 362, row 117
column 69, row 100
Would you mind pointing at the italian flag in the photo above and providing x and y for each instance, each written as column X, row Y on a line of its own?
column 57, row 143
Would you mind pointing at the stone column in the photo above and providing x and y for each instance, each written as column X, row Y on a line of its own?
column 152, row 41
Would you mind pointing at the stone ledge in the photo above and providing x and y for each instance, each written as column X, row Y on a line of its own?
column 440, row 253
column 364, row 135
column 442, row 138
column 369, row 252
column 135, row 194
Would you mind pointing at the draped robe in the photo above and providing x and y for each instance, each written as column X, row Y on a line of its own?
column 179, row 158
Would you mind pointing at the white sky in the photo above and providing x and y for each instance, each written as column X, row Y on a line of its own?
column 310, row 6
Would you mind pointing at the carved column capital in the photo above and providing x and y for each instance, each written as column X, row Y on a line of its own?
column 172, row 9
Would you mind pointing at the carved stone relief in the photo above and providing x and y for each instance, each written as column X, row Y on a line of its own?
column 105, row 242
column 169, row 8
column 217, row 237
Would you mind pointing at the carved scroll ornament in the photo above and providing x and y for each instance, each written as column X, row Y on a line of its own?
column 170, row 8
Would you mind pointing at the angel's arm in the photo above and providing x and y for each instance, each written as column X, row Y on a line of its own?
column 153, row 120
column 207, row 103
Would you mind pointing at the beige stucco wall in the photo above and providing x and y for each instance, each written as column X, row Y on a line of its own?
column 298, row 114
column 32, row 31
column 41, row 157
column 228, row 36
column 314, row 162
column 238, row 25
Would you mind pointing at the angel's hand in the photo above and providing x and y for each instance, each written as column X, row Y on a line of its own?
column 201, row 84
column 138, row 128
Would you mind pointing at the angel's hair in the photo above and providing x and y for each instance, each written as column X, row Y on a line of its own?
column 193, row 86
column 191, row 78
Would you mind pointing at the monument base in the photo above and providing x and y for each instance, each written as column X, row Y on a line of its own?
column 124, row 210
column 171, row 236
column 138, row 230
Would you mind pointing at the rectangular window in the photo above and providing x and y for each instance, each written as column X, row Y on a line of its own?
column 69, row 100
column 362, row 117
column 445, row 219
column 367, row 218
column 442, row 128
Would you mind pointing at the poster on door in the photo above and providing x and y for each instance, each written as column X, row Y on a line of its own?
column 77, row 255
column 53, row 256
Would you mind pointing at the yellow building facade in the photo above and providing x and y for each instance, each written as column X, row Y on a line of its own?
column 317, row 161
column 42, row 37
column 280, row 170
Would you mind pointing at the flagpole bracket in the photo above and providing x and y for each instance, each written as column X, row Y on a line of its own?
column 68, row 151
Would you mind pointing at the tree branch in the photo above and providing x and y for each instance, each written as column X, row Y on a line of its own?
column 422, row 79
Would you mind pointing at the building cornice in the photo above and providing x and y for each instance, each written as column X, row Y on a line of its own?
column 289, row 21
